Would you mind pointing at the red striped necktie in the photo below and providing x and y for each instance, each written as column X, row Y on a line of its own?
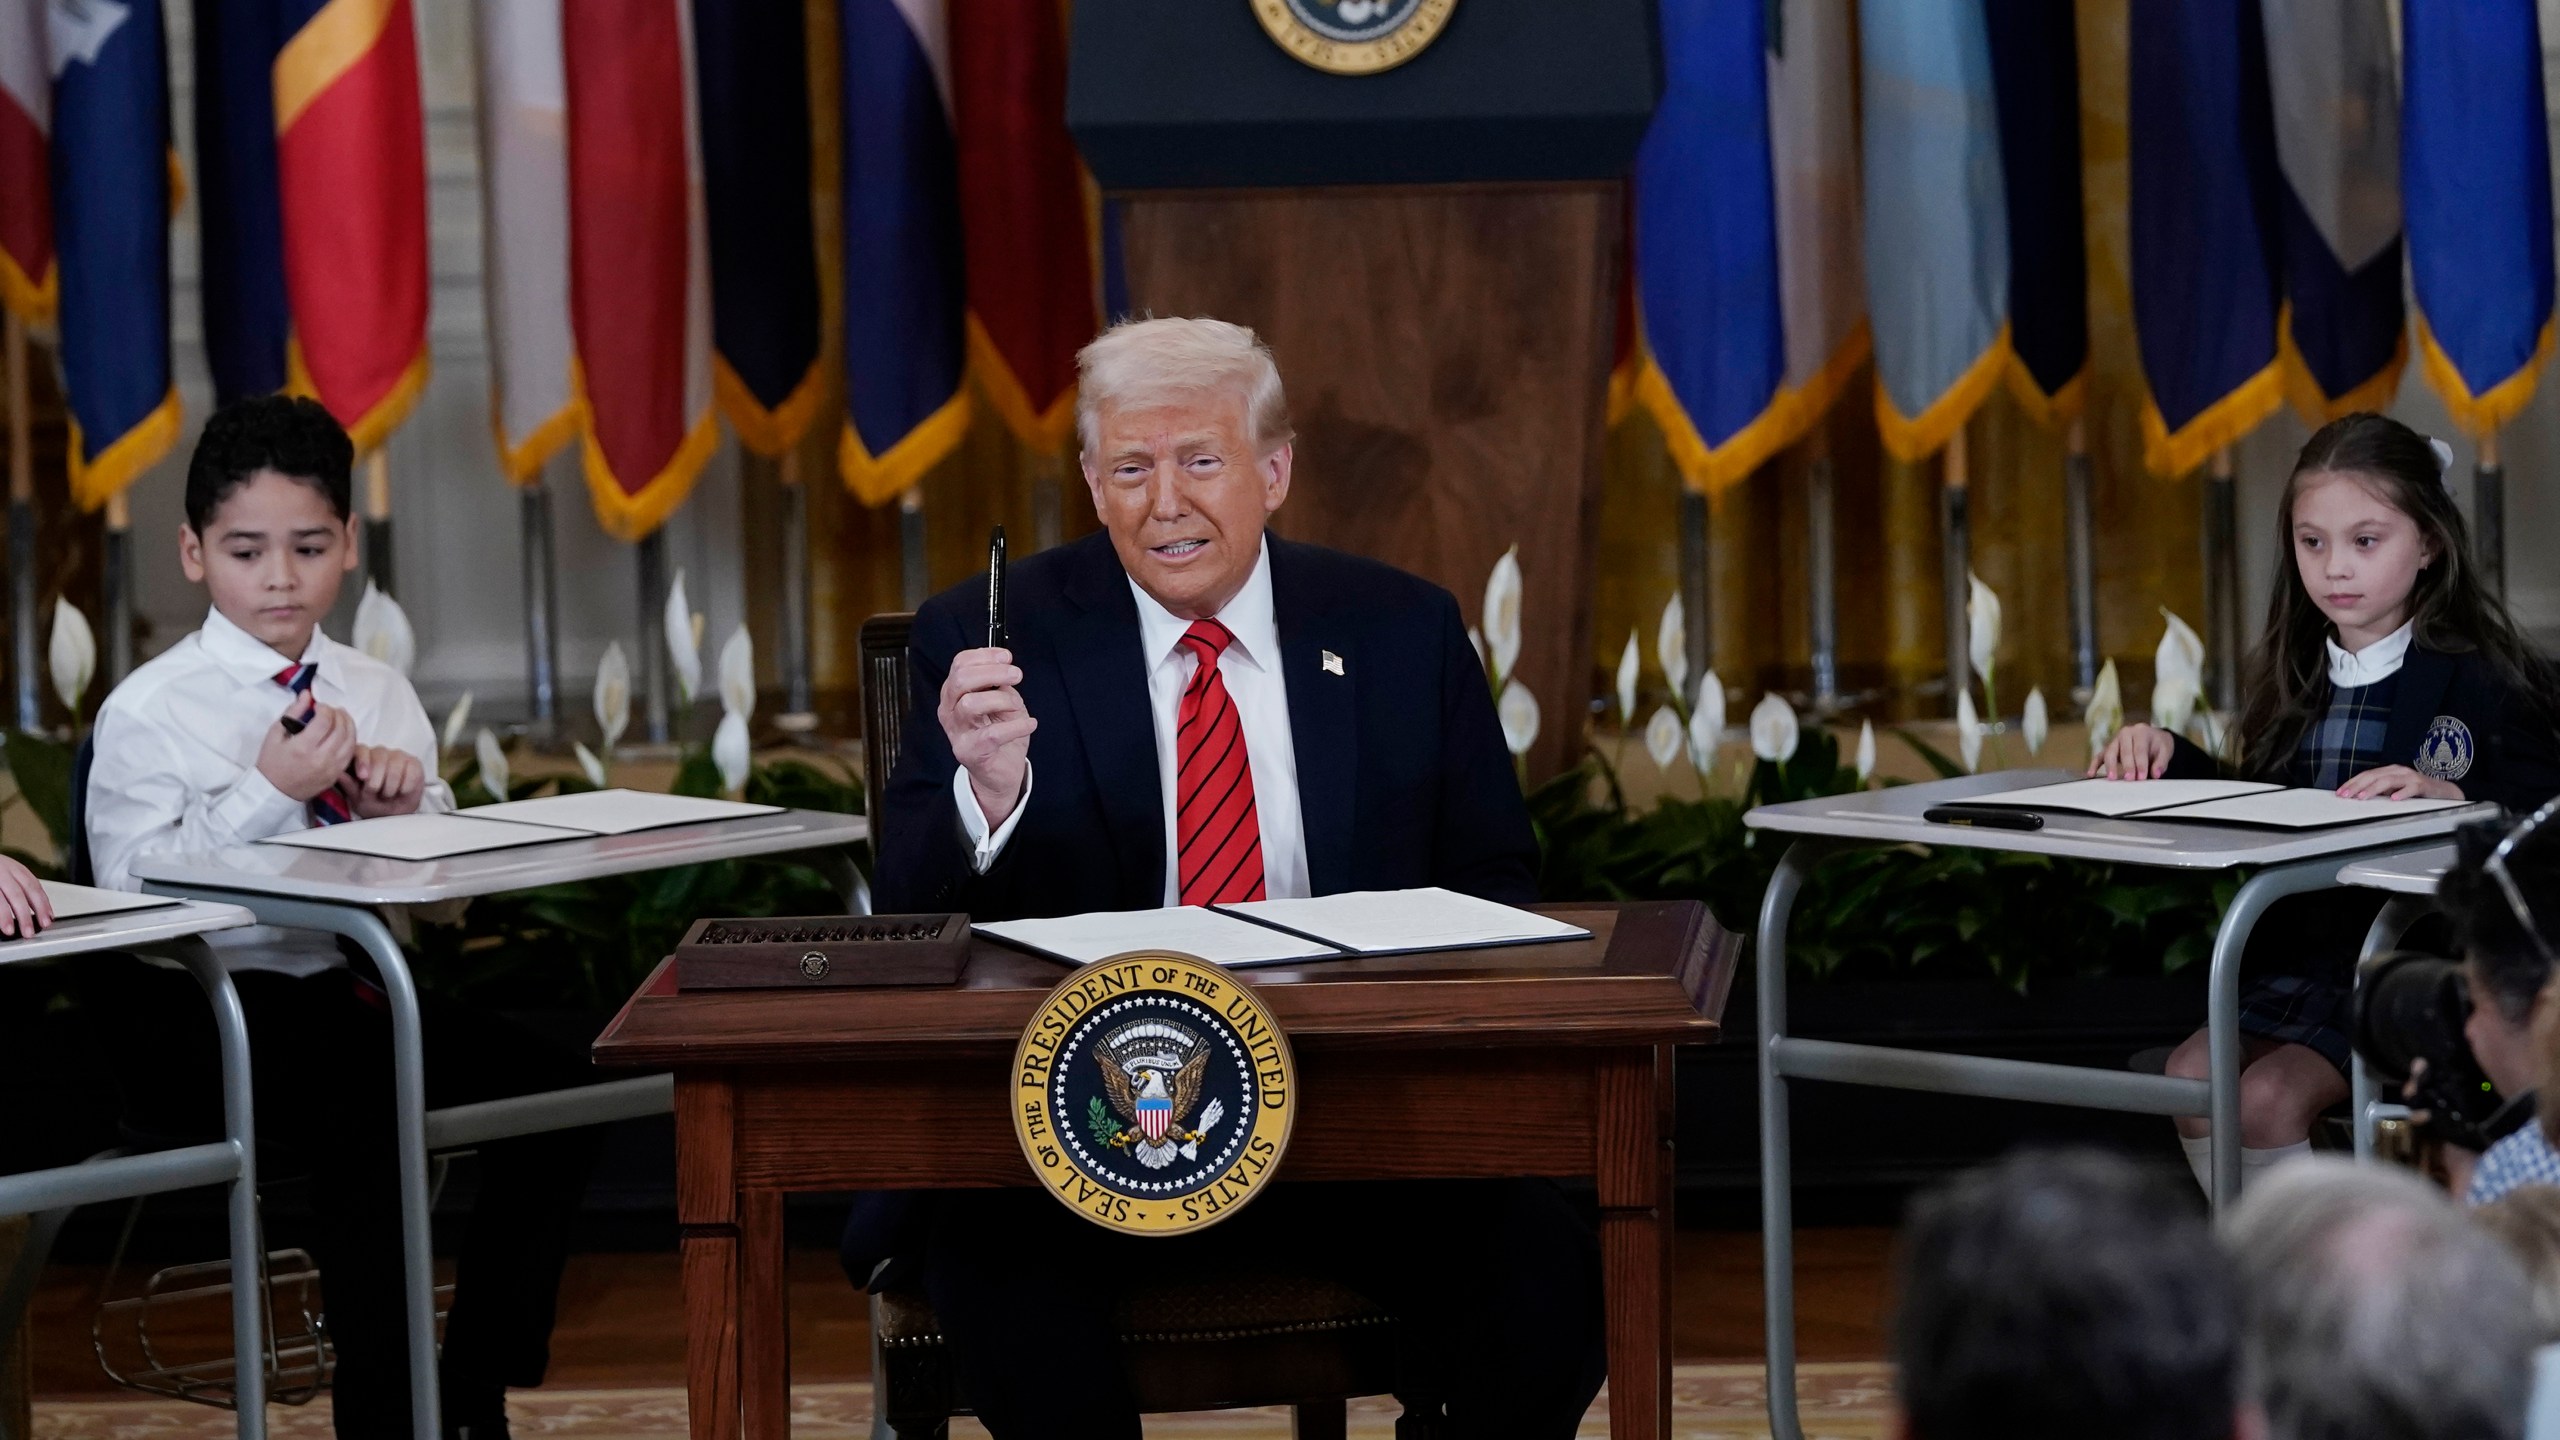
column 1218, row 836
column 328, row 807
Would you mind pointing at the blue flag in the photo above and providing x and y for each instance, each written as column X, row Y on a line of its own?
column 1748, row 293
column 111, row 239
column 905, row 306
column 751, row 72
column 2035, row 66
column 2207, row 280
column 2475, row 165
column 2336, row 98
column 1937, row 218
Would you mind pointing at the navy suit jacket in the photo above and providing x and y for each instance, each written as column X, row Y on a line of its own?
column 1403, row 779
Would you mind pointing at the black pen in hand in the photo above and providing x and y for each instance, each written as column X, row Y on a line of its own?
column 997, row 636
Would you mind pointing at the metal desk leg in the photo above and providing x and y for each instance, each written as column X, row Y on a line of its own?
column 2401, row 912
column 248, row 1246
column 2222, row 1004
column 1777, row 1179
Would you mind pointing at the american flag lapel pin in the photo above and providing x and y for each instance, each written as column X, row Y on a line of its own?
column 1332, row 663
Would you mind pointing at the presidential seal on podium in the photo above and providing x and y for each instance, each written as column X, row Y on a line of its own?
column 1353, row 37
column 1153, row 1092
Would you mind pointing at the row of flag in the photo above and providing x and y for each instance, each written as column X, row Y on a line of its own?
column 2286, row 169
column 651, row 252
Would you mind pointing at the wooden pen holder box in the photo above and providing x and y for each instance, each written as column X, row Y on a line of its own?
column 822, row 952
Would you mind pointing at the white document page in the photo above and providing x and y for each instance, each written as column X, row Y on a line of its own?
column 2302, row 810
column 77, row 902
column 422, row 837
column 1387, row 922
column 2117, row 798
column 618, row 812
column 1188, row 929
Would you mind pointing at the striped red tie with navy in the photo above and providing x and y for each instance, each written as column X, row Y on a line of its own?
column 1217, row 836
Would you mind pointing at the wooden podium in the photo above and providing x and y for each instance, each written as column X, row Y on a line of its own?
column 1531, row 1060
column 1433, row 252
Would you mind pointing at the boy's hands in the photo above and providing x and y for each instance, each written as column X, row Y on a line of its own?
column 304, row 765
column 24, row 908
column 2137, row 752
column 386, row 781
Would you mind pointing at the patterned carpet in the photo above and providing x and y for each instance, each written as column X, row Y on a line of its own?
column 1711, row 1402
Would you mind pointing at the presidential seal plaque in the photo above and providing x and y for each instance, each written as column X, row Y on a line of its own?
column 1353, row 37
column 1152, row 1093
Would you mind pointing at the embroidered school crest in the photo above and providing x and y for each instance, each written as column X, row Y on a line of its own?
column 1153, row 1093
column 1353, row 37
column 2446, row 751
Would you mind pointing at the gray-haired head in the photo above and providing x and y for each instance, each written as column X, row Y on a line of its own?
column 2376, row 1309
column 1146, row 362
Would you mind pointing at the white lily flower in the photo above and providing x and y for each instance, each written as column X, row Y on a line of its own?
column 1774, row 731
column 2173, row 704
column 738, row 675
column 2035, row 724
column 1518, row 711
column 382, row 630
column 1502, row 614
column 1706, row 724
column 684, row 642
column 493, row 765
column 1475, row 637
column 2177, row 673
column 1866, row 751
column 72, row 654
column 729, row 752
column 1671, row 645
column 1982, row 625
column 1662, row 736
column 2105, row 714
column 1968, row 731
column 454, row 719
column 589, row 764
column 613, row 695
column 1628, row 661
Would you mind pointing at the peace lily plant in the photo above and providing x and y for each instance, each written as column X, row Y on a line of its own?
column 382, row 630
column 72, row 654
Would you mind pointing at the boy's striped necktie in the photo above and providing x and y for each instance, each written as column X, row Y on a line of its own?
column 328, row 807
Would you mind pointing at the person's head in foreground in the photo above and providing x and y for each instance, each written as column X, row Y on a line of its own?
column 1185, row 438
column 2066, row 1293
column 2374, row 1308
column 267, row 531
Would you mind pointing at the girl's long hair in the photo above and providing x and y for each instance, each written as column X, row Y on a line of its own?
column 2288, row 670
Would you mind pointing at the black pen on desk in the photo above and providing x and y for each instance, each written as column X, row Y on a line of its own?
column 996, row 634
column 1984, row 819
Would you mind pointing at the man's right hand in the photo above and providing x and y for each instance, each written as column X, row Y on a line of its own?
column 304, row 765
column 989, row 728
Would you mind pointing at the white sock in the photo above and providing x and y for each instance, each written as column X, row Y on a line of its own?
column 2254, row 1164
column 2199, row 1150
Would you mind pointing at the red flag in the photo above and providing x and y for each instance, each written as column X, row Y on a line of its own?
column 351, row 182
column 639, row 292
column 1028, row 238
column 26, row 204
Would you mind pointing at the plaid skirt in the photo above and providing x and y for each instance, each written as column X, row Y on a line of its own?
column 2302, row 1010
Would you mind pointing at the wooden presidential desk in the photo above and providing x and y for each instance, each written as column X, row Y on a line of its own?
column 1548, row 1059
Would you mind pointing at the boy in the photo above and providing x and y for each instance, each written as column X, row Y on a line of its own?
column 259, row 724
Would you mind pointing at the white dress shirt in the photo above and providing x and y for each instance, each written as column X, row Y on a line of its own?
column 2379, row 660
column 176, row 763
column 1251, row 667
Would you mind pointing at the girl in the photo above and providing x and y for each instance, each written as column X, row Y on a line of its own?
column 2384, row 672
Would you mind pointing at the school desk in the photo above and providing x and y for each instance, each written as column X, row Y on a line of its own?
column 174, row 932
column 343, row 894
column 2282, row 862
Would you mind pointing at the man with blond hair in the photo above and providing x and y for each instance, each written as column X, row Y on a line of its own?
column 1194, row 712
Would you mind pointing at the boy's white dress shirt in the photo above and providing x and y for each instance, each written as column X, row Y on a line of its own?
column 175, row 768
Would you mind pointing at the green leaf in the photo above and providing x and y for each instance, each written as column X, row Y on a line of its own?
column 1938, row 759
column 42, row 767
